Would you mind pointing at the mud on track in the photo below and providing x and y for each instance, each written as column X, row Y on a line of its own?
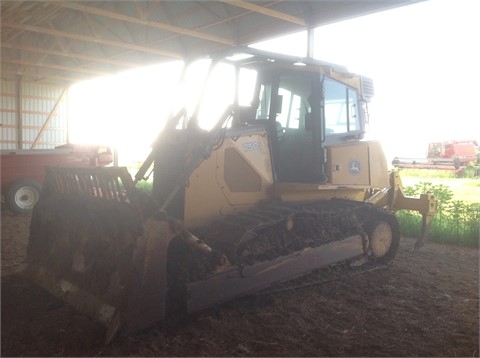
column 425, row 304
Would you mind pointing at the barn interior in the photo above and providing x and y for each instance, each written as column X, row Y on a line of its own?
column 47, row 46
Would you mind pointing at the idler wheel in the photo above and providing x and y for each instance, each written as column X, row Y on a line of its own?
column 381, row 239
column 384, row 239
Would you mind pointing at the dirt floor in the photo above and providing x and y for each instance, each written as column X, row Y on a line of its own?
column 424, row 304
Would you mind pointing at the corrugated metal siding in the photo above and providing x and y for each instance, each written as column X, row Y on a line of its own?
column 37, row 103
column 8, row 114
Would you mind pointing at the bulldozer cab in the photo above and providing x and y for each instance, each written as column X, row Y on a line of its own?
column 303, row 106
column 305, row 111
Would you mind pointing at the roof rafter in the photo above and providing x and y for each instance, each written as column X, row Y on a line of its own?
column 91, row 39
column 70, row 55
column 40, row 77
column 54, row 67
column 265, row 11
column 154, row 24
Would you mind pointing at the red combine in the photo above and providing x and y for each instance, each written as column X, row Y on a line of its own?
column 452, row 155
column 23, row 171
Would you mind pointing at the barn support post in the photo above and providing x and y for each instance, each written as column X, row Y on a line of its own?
column 310, row 42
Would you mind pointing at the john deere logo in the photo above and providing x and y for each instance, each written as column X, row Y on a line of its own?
column 354, row 167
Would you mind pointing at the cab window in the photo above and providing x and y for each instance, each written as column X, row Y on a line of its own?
column 341, row 110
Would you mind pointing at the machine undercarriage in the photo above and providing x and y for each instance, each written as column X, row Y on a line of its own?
column 276, row 234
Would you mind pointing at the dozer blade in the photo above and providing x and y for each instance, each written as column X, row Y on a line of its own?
column 91, row 246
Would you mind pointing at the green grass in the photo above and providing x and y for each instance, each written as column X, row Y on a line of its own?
column 461, row 228
column 145, row 186
column 462, row 189
column 468, row 173
column 458, row 217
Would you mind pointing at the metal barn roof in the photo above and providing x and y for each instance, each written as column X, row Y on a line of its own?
column 63, row 42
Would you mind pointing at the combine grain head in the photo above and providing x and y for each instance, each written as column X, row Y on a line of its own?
column 92, row 245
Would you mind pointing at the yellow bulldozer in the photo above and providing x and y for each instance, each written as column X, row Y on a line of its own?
column 272, row 183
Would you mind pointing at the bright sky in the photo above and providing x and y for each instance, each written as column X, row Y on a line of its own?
column 423, row 59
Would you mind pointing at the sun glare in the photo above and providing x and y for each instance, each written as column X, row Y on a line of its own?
column 125, row 111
